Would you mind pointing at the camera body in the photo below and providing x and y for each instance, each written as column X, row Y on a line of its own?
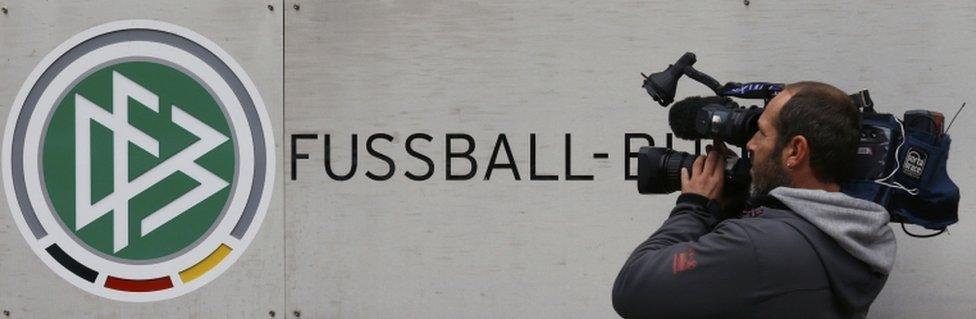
column 714, row 117
column 899, row 165
column 874, row 149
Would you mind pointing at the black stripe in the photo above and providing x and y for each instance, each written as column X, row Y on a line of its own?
column 73, row 265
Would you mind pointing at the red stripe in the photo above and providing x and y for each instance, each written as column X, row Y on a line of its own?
column 138, row 285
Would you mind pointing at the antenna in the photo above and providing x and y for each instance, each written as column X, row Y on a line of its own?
column 954, row 118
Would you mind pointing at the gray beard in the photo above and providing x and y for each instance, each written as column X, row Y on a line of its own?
column 768, row 176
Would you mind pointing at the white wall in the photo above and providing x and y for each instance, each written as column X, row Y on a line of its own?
column 502, row 248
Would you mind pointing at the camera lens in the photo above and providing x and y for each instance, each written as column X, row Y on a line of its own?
column 659, row 171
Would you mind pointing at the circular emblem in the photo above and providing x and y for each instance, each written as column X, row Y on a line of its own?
column 138, row 160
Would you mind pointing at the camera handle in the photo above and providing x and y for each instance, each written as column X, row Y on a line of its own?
column 661, row 86
column 703, row 78
column 862, row 99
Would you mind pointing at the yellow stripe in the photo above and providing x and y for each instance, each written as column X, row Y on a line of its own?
column 206, row 264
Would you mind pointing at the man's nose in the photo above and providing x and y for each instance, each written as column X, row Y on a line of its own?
column 750, row 146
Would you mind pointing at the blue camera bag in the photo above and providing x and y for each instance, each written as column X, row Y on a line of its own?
column 917, row 189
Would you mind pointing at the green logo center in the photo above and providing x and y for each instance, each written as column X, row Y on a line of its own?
column 137, row 161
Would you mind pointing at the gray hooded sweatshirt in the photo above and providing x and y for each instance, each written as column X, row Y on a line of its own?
column 858, row 226
column 797, row 254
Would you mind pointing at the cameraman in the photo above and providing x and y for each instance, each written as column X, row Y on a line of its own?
column 802, row 250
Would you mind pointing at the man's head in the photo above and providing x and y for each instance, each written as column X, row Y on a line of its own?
column 807, row 138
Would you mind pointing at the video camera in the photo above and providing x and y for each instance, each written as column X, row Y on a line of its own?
column 900, row 164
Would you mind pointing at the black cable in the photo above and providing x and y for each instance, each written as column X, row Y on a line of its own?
column 921, row 236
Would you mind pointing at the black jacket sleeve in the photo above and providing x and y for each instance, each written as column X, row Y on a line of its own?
column 692, row 267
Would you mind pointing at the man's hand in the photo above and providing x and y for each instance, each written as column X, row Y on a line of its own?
column 707, row 174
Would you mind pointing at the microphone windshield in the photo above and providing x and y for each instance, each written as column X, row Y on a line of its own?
column 683, row 115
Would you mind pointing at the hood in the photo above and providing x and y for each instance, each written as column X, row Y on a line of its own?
column 860, row 227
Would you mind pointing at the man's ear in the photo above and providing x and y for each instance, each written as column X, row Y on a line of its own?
column 796, row 151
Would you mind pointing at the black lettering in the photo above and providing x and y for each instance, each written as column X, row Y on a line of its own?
column 502, row 141
column 532, row 175
column 381, row 156
column 629, row 153
column 569, row 170
column 466, row 154
column 295, row 155
column 328, row 159
column 422, row 157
